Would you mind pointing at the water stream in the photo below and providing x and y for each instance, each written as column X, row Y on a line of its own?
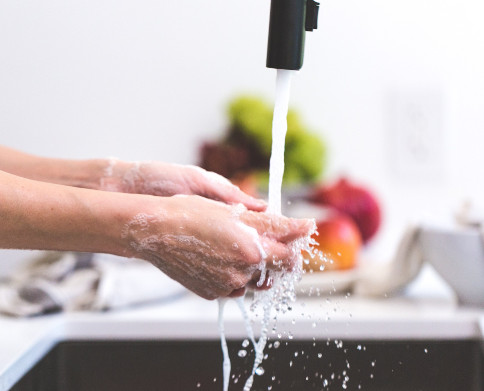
column 283, row 289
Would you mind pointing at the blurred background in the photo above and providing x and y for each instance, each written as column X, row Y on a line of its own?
column 395, row 89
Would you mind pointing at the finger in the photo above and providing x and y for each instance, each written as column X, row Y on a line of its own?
column 231, row 194
column 279, row 255
column 237, row 292
column 266, row 284
column 217, row 187
column 278, row 228
column 237, row 196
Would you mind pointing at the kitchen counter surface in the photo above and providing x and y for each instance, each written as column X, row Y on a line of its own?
column 24, row 341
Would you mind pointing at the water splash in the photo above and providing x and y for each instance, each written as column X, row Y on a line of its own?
column 223, row 340
column 283, row 291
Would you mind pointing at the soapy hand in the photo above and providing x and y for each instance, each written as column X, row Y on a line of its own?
column 164, row 179
column 213, row 249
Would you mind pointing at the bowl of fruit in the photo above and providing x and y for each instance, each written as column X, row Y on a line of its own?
column 348, row 216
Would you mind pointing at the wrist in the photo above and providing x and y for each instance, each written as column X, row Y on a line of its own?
column 77, row 173
column 43, row 216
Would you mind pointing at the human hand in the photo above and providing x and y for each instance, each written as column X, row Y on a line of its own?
column 164, row 179
column 213, row 249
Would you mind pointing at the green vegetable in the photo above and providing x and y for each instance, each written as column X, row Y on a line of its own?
column 305, row 151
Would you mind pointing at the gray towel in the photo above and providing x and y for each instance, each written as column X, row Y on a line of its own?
column 59, row 281
column 392, row 277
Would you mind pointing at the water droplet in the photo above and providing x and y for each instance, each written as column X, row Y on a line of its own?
column 242, row 353
column 290, row 363
column 426, row 350
column 373, row 363
column 198, row 385
column 276, row 344
column 259, row 371
column 358, row 347
column 320, row 355
column 245, row 343
column 325, row 382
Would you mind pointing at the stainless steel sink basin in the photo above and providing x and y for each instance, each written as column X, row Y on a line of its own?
column 426, row 365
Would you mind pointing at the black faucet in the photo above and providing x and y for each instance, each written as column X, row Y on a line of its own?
column 289, row 21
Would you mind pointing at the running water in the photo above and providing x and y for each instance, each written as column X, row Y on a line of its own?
column 276, row 172
column 279, row 130
column 282, row 292
column 226, row 363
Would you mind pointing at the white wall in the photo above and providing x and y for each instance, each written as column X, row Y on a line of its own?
column 149, row 79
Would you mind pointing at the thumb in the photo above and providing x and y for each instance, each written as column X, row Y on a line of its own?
column 237, row 196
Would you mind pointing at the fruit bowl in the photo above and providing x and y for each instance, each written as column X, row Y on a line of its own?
column 336, row 242
column 328, row 282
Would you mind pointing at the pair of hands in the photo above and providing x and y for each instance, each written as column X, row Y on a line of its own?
column 203, row 231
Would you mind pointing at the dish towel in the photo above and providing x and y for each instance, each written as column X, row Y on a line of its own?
column 59, row 281
column 392, row 277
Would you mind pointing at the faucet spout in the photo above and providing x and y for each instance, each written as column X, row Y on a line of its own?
column 289, row 21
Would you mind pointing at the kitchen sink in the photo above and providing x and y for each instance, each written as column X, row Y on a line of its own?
column 154, row 365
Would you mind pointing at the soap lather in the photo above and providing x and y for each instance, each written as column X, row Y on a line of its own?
column 289, row 21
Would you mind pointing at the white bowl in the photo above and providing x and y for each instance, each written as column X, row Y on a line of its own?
column 458, row 256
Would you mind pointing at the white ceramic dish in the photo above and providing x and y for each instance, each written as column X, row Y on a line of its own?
column 458, row 256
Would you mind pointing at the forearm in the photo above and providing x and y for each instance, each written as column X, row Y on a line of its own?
column 79, row 173
column 44, row 216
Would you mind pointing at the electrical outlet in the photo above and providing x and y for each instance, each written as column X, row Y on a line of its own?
column 417, row 149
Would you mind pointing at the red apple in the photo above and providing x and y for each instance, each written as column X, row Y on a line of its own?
column 339, row 242
column 355, row 201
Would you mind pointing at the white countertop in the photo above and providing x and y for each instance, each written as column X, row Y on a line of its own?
column 24, row 341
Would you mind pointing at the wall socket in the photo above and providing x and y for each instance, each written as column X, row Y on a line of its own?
column 417, row 135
